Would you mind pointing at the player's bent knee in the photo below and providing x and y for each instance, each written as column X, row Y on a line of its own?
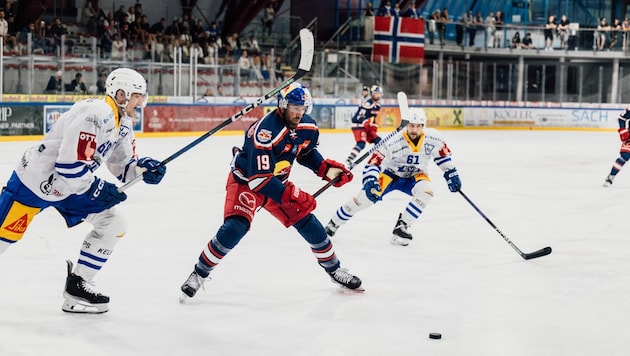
column 422, row 193
column 232, row 231
column 311, row 229
column 108, row 223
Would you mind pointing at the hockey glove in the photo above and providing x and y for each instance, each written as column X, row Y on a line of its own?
column 372, row 189
column 105, row 193
column 624, row 135
column 331, row 170
column 297, row 198
column 453, row 181
column 154, row 171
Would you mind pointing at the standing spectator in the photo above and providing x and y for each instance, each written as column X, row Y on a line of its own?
column 412, row 12
column 386, row 9
column 471, row 29
column 120, row 16
column 279, row 139
column 600, row 34
column 563, row 31
column 478, row 23
column 77, row 84
column 55, row 84
column 396, row 10
column 459, row 32
column 4, row 27
column 433, row 26
column 87, row 13
column 267, row 20
column 491, row 29
column 441, row 25
column 498, row 34
column 368, row 22
column 614, row 34
column 625, row 27
column 550, row 28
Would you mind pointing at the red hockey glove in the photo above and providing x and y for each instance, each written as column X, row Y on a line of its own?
column 298, row 198
column 624, row 135
column 331, row 170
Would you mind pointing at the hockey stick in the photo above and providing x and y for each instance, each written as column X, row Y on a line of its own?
column 306, row 59
column 404, row 107
column 527, row 256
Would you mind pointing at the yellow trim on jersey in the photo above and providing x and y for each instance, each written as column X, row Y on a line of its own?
column 17, row 220
column 414, row 147
column 112, row 104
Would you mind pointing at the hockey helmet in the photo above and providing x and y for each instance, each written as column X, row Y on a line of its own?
column 127, row 80
column 417, row 116
column 296, row 94
column 376, row 89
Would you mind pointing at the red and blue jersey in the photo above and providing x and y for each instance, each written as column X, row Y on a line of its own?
column 269, row 150
column 367, row 111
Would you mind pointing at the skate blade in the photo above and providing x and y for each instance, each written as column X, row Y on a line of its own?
column 184, row 298
column 77, row 306
column 346, row 290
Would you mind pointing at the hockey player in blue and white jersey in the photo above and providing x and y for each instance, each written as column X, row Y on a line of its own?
column 364, row 126
column 401, row 164
column 259, row 178
column 624, row 151
column 58, row 172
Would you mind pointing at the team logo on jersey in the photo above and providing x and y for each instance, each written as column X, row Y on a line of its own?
column 18, row 226
column 428, row 148
column 247, row 202
column 86, row 146
column 264, row 136
column 282, row 170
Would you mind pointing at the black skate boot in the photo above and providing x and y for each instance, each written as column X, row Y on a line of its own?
column 401, row 235
column 80, row 298
column 345, row 278
column 331, row 228
column 191, row 286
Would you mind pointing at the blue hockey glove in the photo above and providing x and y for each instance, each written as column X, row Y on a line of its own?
column 372, row 189
column 105, row 193
column 453, row 181
column 154, row 171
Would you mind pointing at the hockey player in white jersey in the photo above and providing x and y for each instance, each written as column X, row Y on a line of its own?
column 58, row 172
column 401, row 164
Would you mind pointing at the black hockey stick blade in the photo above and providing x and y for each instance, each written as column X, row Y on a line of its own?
column 540, row 253
column 307, row 52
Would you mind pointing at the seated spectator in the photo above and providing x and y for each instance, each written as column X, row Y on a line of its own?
column 100, row 83
column 245, row 66
column 118, row 48
column 207, row 95
column 527, row 41
column 55, row 83
column 77, row 85
column 516, row 40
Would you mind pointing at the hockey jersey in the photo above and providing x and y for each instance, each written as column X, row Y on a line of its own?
column 367, row 112
column 269, row 150
column 400, row 157
column 84, row 137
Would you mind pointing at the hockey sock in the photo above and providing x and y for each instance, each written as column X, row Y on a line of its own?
column 99, row 243
column 313, row 232
column 228, row 236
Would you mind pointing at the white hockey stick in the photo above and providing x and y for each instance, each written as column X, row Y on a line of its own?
column 306, row 59
column 404, row 114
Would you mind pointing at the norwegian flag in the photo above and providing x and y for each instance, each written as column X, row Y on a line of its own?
column 398, row 39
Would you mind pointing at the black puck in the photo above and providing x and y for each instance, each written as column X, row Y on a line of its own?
column 435, row 336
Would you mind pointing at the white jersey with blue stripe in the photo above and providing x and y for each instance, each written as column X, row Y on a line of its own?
column 82, row 139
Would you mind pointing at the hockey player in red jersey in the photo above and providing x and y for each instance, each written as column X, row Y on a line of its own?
column 259, row 177
column 58, row 173
column 624, row 151
column 364, row 126
column 402, row 164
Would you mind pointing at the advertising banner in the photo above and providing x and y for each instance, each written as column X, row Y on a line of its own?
column 541, row 117
column 183, row 118
column 16, row 120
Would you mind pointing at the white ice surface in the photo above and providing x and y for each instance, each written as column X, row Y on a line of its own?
column 269, row 297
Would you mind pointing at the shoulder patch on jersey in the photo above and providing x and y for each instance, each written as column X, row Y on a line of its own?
column 263, row 135
column 428, row 148
column 86, row 146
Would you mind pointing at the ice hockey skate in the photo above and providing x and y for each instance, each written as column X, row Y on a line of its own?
column 609, row 180
column 80, row 298
column 401, row 235
column 331, row 228
column 191, row 286
column 345, row 279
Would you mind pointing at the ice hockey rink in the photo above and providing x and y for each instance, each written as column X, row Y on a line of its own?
column 458, row 277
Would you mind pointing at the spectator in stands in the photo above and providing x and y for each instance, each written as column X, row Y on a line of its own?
column 174, row 29
column 491, row 29
column 563, row 32
column 87, row 13
column 278, row 72
column 120, row 15
column 58, row 31
column 245, row 66
column 252, row 45
column 100, row 83
column 107, row 40
column 159, row 28
column 459, row 32
column 131, row 15
column 234, row 44
column 411, row 11
column 550, row 28
column 368, row 24
column 433, row 21
column 207, row 95
column 214, row 31
column 386, row 9
column 478, row 24
column 119, row 46
column 396, row 10
column 614, row 34
column 8, row 10
column 77, row 84
column 441, row 25
column 600, row 34
column 267, row 19
column 4, row 27
column 516, row 40
column 471, row 29
column 527, row 43
column 625, row 27
column 55, row 83
column 219, row 89
column 498, row 34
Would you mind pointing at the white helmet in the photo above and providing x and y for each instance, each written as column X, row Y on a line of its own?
column 417, row 116
column 127, row 80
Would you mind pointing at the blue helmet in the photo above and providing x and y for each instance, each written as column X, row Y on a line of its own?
column 376, row 89
column 296, row 94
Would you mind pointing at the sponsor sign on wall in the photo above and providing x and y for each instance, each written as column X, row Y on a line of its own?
column 16, row 120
